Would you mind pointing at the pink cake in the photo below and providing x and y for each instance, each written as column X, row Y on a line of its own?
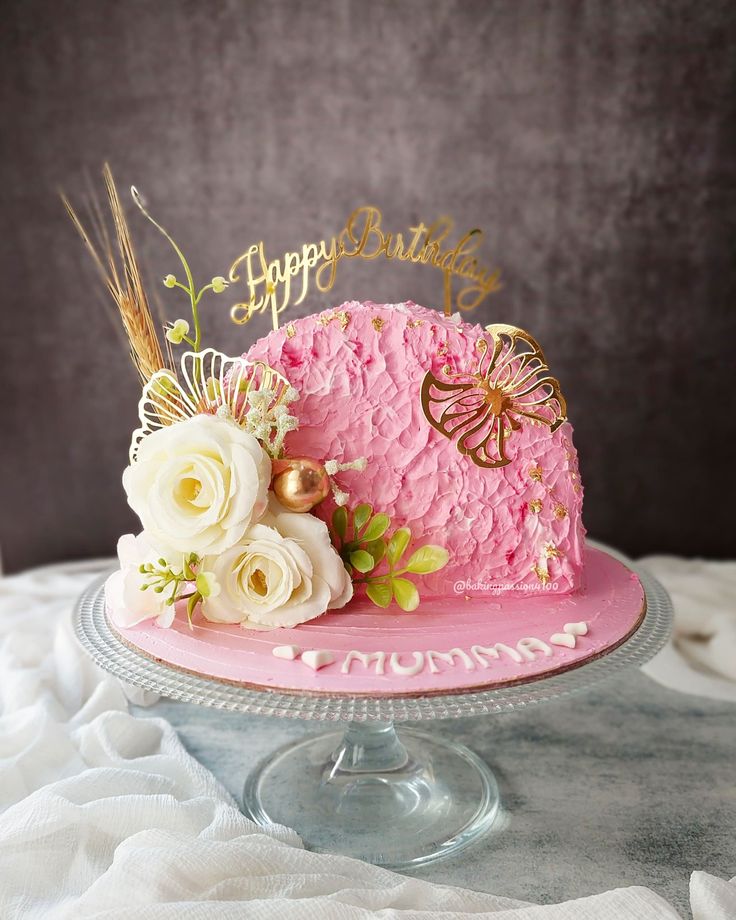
column 359, row 371
column 380, row 387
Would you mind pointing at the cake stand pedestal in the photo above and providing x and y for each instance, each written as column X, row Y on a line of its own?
column 396, row 799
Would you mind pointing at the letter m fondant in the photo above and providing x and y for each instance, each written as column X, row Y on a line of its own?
column 366, row 659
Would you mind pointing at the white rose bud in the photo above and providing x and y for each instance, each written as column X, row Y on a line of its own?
column 198, row 485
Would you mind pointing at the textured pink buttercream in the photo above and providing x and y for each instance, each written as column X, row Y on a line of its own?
column 359, row 370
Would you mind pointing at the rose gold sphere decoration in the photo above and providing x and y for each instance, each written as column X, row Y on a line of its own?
column 300, row 483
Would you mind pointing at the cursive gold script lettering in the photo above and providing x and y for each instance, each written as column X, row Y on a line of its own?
column 274, row 285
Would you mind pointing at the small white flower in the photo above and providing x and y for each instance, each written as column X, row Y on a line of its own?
column 283, row 572
column 198, row 485
column 177, row 332
column 169, row 281
column 219, row 284
column 128, row 602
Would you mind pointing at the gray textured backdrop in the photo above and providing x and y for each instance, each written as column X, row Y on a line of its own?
column 593, row 140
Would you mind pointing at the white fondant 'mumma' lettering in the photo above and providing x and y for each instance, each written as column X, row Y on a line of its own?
column 407, row 670
column 449, row 658
column 529, row 646
column 366, row 659
column 493, row 651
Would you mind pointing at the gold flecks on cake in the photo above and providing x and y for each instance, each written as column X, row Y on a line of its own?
column 341, row 315
column 552, row 552
column 535, row 473
column 535, row 505
column 290, row 331
column 541, row 573
column 378, row 323
column 442, row 350
column 414, row 323
column 560, row 511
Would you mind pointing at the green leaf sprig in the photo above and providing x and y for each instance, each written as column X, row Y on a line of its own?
column 178, row 331
column 360, row 539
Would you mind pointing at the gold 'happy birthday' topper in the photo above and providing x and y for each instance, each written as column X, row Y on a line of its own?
column 271, row 284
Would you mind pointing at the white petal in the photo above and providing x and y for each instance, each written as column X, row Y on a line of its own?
column 315, row 538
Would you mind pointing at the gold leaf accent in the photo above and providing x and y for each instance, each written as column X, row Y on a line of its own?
column 378, row 323
column 481, row 409
column 290, row 331
column 560, row 512
column 341, row 315
column 535, row 473
column 535, row 505
column 552, row 552
column 541, row 573
column 414, row 323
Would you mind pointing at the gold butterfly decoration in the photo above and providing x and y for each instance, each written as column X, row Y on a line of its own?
column 481, row 409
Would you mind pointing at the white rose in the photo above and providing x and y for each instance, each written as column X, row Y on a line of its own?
column 285, row 571
column 127, row 604
column 198, row 485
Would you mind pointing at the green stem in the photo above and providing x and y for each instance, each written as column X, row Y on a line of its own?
column 185, row 265
column 207, row 287
column 372, row 579
column 197, row 330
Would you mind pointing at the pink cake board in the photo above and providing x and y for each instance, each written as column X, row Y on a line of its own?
column 447, row 645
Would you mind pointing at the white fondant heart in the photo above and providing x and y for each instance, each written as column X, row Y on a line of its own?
column 289, row 652
column 563, row 639
column 317, row 658
column 576, row 629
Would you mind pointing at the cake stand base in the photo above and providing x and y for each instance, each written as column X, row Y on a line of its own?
column 392, row 801
column 398, row 802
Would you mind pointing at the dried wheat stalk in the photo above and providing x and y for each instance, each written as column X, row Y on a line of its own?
column 124, row 283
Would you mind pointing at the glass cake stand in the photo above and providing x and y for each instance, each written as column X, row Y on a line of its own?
column 394, row 799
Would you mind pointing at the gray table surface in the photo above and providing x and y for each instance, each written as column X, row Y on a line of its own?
column 628, row 784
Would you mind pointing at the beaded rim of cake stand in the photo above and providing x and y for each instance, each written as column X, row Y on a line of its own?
column 108, row 651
